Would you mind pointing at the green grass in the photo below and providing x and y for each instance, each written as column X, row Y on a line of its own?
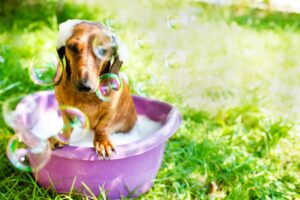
column 236, row 84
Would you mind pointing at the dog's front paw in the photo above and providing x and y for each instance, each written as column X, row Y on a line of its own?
column 54, row 143
column 103, row 146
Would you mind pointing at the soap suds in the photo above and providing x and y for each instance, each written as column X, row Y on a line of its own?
column 48, row 125
column 51, row 123
column 66, row 31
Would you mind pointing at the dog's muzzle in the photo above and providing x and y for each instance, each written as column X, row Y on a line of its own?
column 83, row 86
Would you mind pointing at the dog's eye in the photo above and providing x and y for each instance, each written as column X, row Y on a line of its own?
column 73, row 48
column 101, row 52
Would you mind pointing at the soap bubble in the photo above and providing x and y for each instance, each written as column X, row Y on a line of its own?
column 2, row 60
column 17, row 153
column 114, row 24
column 104, row 46
column 108, row 83
column 145, row 40
column 27, row 158
column 150, row 77
column 46, row 70
column 22, row 114
column 11, row 116
column 124, row 77
column 177, row 21
column 175, row 60
column 174, row 22
column 29, row 149
column 73, row 118
column 140, row 90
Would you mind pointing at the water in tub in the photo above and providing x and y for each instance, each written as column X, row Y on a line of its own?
column 51, row 123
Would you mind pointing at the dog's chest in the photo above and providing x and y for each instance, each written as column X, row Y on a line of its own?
column 87, row 103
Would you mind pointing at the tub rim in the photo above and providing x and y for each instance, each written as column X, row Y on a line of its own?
column 160, row 136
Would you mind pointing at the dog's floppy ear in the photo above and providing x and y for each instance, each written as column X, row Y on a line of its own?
column 118, row 55
column 116, row 65
column 61, row 54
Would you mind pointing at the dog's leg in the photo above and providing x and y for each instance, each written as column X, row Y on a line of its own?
column 102, row 143
column 56, row 143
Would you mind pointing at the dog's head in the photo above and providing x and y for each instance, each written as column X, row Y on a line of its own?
column 89, row 51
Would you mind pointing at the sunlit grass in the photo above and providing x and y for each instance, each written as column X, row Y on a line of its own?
column 234, row 80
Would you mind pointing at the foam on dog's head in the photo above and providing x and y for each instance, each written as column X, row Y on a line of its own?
column 66, row 31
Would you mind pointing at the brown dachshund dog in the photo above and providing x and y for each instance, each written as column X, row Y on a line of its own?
column 80, row 80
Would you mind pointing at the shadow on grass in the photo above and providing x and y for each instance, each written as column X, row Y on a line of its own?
column 259, row 19
column 252, row 17
column 31, row 15
column 28, row 15
column 68, row 10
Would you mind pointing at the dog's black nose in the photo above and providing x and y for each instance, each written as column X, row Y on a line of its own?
column 82, row 86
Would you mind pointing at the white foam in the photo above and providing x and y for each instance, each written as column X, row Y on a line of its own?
column 143, row 127
column 48, row 125
column 51, row 123
column 66, row 31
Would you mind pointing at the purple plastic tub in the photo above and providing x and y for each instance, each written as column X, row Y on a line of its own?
column 130, row 172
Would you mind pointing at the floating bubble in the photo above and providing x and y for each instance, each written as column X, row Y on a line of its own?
column 150, row 77
column 104, row 46
column 124, row 77
column 27, row 158
column 46, row 70
column 30, row 139
column 8, row 111
column 73, row 118
column 12, row 117
column 114, row 24
column 177, row 21
column 144, row 40
column 175, row 60
column 32, row 116
column 2, row 60
column 140, row 90
column 29, row 149
column 174, row 22
column 22, row 114
column 17, row 153
column 108, row 83
column 48, row 125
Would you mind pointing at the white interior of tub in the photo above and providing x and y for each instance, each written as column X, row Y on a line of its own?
column 50, row 123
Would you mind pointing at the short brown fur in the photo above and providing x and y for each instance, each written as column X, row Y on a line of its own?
column 119, row 114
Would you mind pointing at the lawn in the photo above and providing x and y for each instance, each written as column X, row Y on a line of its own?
column 233, row 72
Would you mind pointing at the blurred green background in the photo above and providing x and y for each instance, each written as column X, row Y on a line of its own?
column 233, row 71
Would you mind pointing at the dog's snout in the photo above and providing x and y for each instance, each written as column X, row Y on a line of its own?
column 83, row 86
